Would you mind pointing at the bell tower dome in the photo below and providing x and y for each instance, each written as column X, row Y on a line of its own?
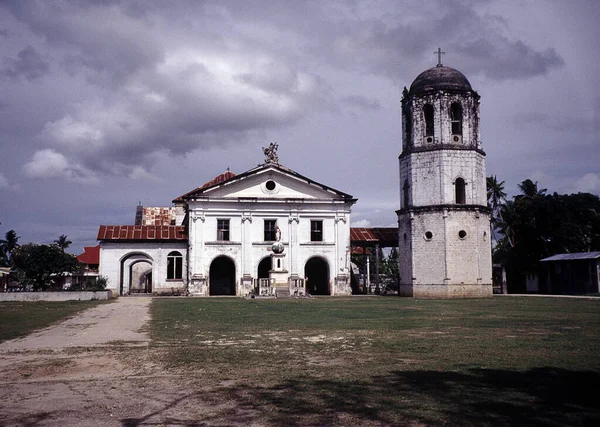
column 443, row 221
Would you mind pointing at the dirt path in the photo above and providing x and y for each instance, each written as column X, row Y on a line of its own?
column 98, row 369
column 120, row 321
column 94, row 369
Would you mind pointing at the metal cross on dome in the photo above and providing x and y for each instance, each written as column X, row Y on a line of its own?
column 439, row 53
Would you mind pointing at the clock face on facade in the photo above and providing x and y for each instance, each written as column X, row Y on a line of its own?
column 277, row 247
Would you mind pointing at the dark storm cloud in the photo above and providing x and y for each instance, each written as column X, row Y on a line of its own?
column 100, row 41
column 162, row 88
column 383, row 45
column 504, row 59
column 28, row 64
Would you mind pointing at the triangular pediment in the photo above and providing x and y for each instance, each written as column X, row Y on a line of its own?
column 269, row 181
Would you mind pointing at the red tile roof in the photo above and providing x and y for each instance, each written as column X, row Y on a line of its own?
column 90, row 255
column 382, row 236
column 219, row 179
column 142, row 232
column 225, row 176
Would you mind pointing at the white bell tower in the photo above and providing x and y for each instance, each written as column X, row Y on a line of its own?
column 443, row 221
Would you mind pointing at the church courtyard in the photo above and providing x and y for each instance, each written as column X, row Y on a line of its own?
column 317, row 361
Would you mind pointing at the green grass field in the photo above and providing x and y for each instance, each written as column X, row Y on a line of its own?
column 389, row 360
column 18, row 319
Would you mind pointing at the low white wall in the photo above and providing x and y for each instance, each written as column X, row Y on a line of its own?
column 55, row 296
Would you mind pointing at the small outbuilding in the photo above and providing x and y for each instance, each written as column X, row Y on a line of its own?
column 574, row 273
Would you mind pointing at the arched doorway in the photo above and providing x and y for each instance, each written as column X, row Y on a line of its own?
column 264, row 267
column 222, row 276
column 136, row 273
column 140, row 277
column 316, row 272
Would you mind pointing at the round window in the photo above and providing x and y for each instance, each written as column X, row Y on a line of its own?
column 428, row 235
column 462, row 234
column 270, row 185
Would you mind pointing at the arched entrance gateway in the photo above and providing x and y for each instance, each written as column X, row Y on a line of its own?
column 316, row 272
column 140, row 278
column 222, row 276
column 136, row 274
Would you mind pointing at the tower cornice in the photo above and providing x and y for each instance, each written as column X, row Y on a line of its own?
column 439, row 147
column 447, row 207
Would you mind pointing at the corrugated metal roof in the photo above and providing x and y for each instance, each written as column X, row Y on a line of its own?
column 572, row 256
column 381, row 235
column 142, row 232
column 90, row 255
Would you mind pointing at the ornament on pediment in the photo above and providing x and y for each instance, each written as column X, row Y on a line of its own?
column 246, row 217
column 294, row 218
column 271, row 153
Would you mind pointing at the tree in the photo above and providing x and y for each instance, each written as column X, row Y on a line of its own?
column 535, row 225
column 496, row 198
column 63, row 242
column 529, row 189
column 7, row 246
column 39, row 266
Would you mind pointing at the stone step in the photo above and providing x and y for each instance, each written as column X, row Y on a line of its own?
column 282, row 293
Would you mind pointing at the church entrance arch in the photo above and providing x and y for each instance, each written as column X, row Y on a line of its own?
column 222, row 276
column 316, row 272
column 264, row 267
column 136, row 274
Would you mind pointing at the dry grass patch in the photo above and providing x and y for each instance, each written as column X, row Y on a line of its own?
column 373, row 361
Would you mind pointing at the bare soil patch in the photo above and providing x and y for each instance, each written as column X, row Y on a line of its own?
column 94, row 369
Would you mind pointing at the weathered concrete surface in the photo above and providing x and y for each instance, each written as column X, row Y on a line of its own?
column 56, row 296
column 121, row 320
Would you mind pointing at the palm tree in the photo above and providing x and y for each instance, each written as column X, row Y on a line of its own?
column 7, row 246
column 496, row 197
column 529, row 190
column 63, row 242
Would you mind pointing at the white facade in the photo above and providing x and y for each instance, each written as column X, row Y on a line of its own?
column 248, row 203
column 229, row 233
column 443, row 221
column 126, row 264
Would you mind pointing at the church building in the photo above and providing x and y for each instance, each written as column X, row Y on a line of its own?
column 271, row 231
column 267, row 231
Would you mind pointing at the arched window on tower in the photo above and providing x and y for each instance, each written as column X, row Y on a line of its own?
column 459, row 191
column 456, row 118
column 428, row 116
column 405, row 197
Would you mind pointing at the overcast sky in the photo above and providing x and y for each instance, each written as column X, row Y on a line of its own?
column 110, row 103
